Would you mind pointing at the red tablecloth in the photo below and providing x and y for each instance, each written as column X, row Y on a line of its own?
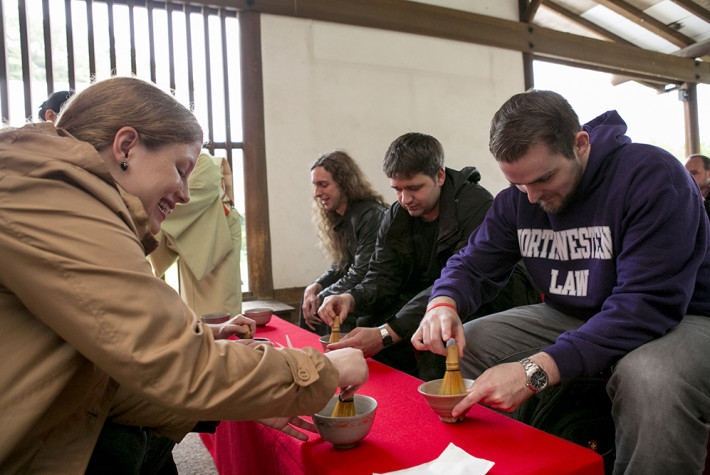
column 406, row 432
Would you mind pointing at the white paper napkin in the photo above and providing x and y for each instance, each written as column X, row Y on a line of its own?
column 452, row 461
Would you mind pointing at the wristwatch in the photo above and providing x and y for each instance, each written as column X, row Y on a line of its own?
column 386, row 337
column 536, row 376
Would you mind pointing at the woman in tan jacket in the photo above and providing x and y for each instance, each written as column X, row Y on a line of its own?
column 88, row 333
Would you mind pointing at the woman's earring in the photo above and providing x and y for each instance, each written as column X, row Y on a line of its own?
column 124, row 164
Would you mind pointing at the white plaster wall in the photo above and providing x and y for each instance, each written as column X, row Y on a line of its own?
column 330, row 86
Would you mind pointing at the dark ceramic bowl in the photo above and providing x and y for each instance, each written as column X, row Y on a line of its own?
column 261, row 315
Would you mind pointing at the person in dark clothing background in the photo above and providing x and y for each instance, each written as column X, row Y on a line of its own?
column 699, row 167
column 49, row 110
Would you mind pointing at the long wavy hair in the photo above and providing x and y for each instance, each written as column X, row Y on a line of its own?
column 353, row 184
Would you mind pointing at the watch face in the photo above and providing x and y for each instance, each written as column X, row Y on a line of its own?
column 538, row 380
column 386, row 337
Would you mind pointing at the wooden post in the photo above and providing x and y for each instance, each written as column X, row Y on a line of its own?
column 689, row 96
column 258, row 234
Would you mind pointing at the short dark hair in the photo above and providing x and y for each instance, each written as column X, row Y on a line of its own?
column 413, row 153
column 55, row 102
column 531, row 118
column 706, row 160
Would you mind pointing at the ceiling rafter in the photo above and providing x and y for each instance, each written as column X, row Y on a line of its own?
column 696, row 50
column 660, row 85
column 645, row 20
column 447, row 23
column 583, row 22
column 530, row 11
column 694, row 8
column 689, row 51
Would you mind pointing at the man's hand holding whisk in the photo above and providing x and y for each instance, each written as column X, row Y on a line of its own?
column 336, row 305
column 441, row 322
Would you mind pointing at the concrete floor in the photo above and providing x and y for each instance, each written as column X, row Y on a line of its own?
column 192, row 457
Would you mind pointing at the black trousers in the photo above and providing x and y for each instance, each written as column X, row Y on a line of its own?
column 131, row 450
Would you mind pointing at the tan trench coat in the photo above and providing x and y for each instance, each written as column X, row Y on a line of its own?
column 81, row 314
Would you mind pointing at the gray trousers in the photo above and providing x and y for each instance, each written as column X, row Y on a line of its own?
column 660, row 392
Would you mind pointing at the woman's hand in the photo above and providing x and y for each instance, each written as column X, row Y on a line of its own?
column 288, row 426
column 223, row 331
column 352, row 370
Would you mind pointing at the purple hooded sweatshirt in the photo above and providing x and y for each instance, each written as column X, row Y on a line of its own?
column 629, row 255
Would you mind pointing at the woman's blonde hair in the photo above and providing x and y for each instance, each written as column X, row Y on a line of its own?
column 353, row 184
column 97, row 113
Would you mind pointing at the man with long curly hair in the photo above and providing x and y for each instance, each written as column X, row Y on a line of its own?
column 347, row 213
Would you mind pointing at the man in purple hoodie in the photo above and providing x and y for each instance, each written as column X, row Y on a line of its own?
column 615, row 236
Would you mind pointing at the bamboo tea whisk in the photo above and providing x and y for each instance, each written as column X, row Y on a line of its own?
column 453, row 382
column 344, row 407
column 335, row 331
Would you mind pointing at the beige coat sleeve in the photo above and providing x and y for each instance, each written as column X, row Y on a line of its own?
column 78, row 266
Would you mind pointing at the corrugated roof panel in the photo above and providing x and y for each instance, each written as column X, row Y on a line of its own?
column 628, row 30
column 674, row 15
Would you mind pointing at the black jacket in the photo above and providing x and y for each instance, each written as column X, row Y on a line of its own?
column 360, row 222
column 390, row 291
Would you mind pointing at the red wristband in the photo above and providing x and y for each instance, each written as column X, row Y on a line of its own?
column 441, row 304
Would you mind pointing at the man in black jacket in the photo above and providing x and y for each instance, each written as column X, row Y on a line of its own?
column 347, row 213
column 436, row 211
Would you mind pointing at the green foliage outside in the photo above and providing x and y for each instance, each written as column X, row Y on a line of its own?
column 36, row 47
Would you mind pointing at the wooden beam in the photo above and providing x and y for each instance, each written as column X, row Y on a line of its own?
column 696, row 50
column 647, row 21
column 583, row 22
column 659, row 82
column 429, row 20
column 530, row 11
column 695, row 9
column 528, row 70
column 258, row 234
column 4, row 78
